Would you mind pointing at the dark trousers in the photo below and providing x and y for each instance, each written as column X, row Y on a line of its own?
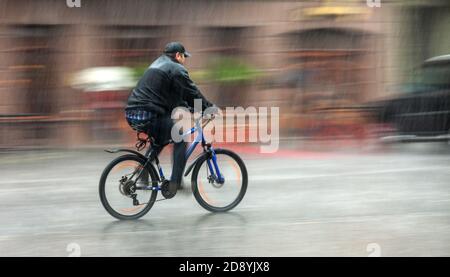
column 160, row 128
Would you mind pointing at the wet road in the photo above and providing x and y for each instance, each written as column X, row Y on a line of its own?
column 395, row 203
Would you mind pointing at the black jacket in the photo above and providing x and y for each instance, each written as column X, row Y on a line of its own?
column 165, row 86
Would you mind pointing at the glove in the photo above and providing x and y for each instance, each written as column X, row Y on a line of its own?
column 212, row 111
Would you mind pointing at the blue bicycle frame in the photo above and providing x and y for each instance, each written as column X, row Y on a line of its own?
column 213, row 167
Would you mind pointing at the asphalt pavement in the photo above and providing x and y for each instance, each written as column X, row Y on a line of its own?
column 394, row 202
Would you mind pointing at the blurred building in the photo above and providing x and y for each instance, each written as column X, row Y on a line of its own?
column 316, row 60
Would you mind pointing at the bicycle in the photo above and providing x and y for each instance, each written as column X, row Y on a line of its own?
column 208, row 179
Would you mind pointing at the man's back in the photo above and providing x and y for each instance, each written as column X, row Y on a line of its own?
column 164, row 86
column 153, row 91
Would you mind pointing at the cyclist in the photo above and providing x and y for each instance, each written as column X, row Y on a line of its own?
column 164, row 86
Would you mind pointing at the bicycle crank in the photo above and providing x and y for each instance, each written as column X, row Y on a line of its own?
column 168, row 189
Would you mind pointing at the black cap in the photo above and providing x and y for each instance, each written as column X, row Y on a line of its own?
column 174, row 47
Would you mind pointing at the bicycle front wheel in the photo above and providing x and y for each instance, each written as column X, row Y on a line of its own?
column 215, row 196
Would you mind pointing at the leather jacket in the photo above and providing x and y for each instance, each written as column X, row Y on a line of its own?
column 165, row 85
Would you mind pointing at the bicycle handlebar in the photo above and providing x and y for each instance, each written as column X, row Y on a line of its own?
column 207, row 121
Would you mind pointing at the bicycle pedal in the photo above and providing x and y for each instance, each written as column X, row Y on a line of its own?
column 168, row 189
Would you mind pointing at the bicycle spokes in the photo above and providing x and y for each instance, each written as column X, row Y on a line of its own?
column 121, row 189
column 215, row 191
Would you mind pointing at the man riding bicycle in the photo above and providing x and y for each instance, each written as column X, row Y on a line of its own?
column 164, row 86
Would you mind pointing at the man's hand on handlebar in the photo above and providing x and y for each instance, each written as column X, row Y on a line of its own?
column 211, row 112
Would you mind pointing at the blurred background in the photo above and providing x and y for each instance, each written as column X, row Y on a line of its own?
column 329, row 65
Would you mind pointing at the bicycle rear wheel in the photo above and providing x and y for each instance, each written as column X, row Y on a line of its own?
column 123, row 195
column 210, row 194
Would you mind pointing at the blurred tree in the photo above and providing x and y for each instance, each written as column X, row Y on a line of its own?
column 228, row 70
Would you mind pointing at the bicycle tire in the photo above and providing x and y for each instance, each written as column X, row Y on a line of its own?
column 244, row 184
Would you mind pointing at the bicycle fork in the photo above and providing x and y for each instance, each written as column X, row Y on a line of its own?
column 214, row 168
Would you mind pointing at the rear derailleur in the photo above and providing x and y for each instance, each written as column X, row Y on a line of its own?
column 128, row 188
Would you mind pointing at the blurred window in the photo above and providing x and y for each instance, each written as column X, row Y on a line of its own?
column 34, row 64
